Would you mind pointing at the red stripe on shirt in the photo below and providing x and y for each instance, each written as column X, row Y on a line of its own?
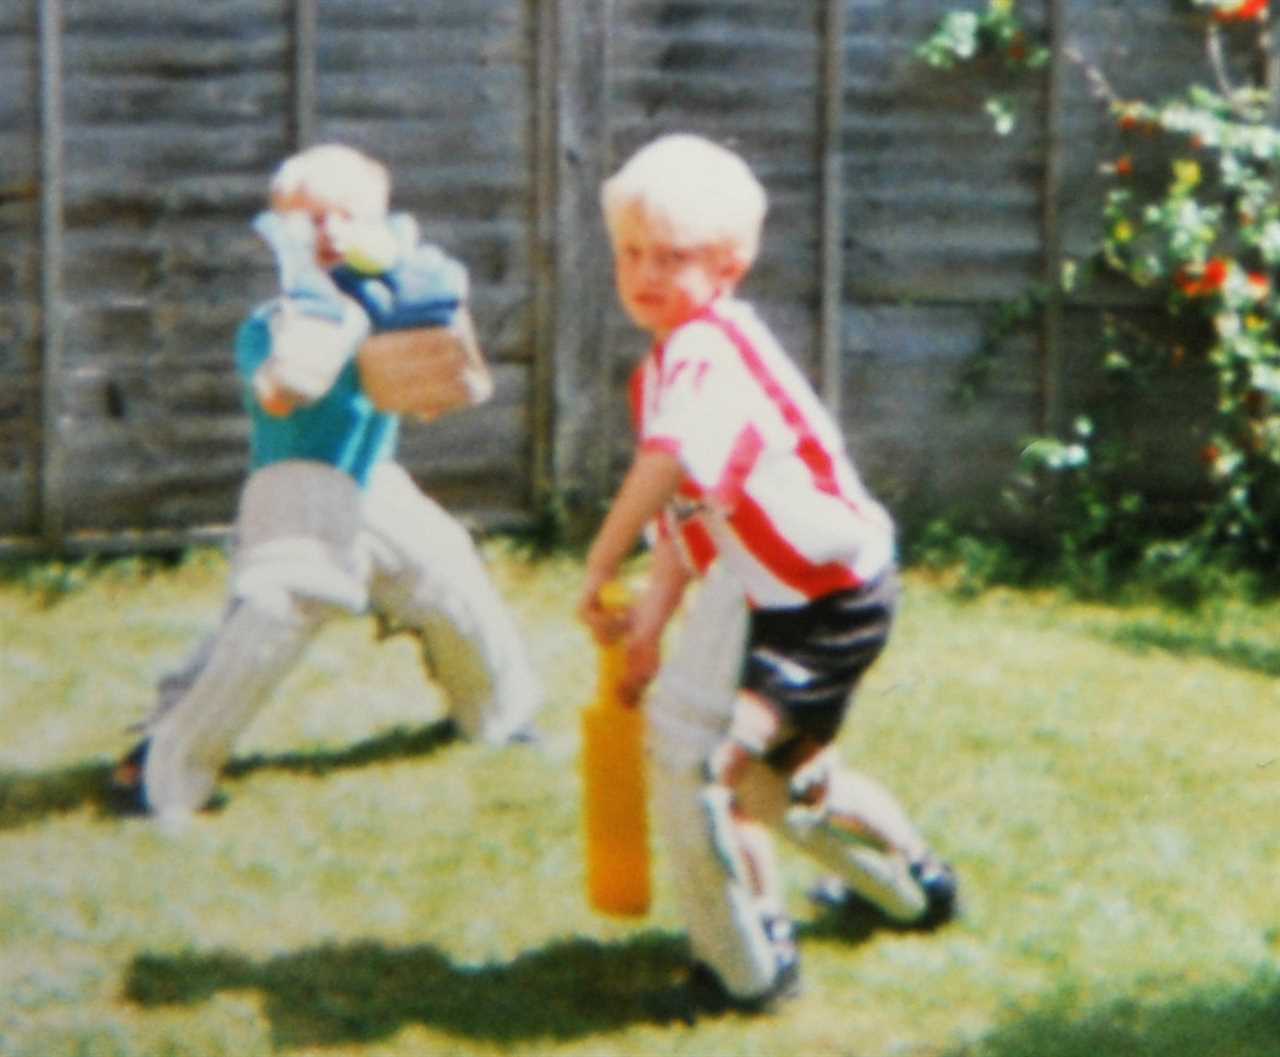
column 809, row 446
column 698, row 543
column 770, row 547
column 742, row 460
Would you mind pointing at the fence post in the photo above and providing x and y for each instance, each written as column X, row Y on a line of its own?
column 831, row 193
column 303, row 112
column 52, row 459
column 573, row 267
column 543, row 263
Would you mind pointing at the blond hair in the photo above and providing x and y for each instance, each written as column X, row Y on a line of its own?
column 706, row 194
column 339, row 175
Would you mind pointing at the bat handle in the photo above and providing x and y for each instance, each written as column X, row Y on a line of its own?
column 615, row 596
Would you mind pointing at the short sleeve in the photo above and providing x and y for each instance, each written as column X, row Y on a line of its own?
column 704, row 415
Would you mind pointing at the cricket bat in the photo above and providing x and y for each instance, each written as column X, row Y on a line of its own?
column 615, row 802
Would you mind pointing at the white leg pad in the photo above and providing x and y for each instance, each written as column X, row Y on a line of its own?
column 879, row 873
column 193, row 737
column 880, row 877
column 857, row 796
column 719, row 913
column 429, row 577
column 688, row 712
column 174, row 683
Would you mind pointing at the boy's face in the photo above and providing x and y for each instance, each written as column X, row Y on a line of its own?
column 326, row 219
column 661, row 284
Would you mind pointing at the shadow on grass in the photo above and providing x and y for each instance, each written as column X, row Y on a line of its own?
column 361, row 992
column 1250, row 656
column 1221, row 1023
column 398, row 743
column 850, row 927
column 29, row 797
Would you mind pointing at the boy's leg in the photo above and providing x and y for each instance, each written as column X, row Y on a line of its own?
column 863, row 834
column 191, row 739
column 852, row 825
column 688, row 712
column 294, row 565
column 802, row 670
column 839, row 835
column 428, row 578
column 127, row 776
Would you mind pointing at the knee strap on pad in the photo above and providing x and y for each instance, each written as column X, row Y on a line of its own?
column 716, row 802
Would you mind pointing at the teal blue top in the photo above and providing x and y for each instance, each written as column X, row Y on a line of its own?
column 342, row 429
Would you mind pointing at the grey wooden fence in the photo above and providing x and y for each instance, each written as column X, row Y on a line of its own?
column 136, row 138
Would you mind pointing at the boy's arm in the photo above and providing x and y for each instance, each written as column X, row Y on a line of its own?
column 314, row 329
column 667, row 582
column 652, row 480
column 308, row 353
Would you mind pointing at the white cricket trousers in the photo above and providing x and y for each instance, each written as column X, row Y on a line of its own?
column 309, row 547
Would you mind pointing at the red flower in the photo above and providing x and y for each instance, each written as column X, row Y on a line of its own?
column 1124, row 166
column 1212, row 278
column 1215, row 274
column 1259, row 285
column 1243, row 11
column 1210, row 454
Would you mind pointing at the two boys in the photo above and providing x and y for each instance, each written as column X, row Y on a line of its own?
column 740, row 478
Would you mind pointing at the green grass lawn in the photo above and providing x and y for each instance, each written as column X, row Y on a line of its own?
column 1105, row 780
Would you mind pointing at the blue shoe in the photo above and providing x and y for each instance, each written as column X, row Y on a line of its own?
column 124, row 790
column 936, row 879
column 941, row 892
column 126, row 794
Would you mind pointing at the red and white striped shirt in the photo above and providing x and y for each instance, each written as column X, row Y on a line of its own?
column 768, row 486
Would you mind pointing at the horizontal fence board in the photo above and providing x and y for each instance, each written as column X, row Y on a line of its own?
column 174, row 116
column 920, row 448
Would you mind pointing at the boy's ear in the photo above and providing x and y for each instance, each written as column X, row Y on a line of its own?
column 731, row 268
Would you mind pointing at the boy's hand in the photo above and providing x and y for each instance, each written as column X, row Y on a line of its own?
column 274, row 396
column 643, row 658
column 607, row 622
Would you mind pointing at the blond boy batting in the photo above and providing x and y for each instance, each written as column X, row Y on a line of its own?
column 328, row 522
column 741, row 477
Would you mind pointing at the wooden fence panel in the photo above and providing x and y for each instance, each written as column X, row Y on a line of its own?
column 898, row 224
column 441, row 91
